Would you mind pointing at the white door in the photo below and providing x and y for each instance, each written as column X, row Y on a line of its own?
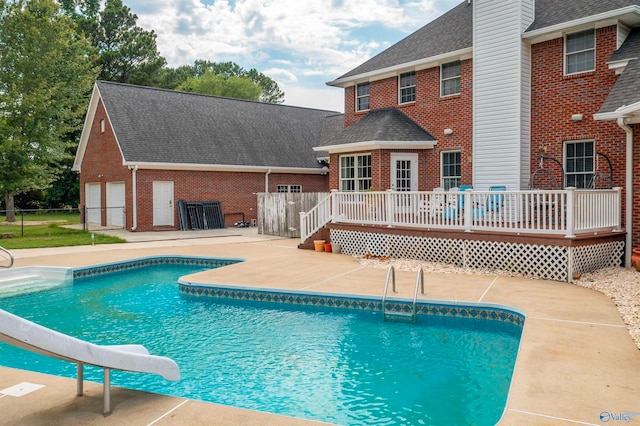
column 404, row 177
column 115, row 204
column 163, row 203
column 92, row 203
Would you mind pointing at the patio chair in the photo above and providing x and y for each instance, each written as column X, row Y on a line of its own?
column 436, row 202
column 461, row 199
column 451, row 203
column 495, row 201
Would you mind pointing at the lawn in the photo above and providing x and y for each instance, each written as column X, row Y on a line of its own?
column 46, row 230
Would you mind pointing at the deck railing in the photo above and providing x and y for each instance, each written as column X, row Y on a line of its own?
column 564, row 212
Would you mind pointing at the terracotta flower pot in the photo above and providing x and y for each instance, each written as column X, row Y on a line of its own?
column 327, row 247
column 318, row 245
column 635, row 258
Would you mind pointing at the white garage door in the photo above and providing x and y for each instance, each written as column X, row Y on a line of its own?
column 92, row 203
column 115, row 204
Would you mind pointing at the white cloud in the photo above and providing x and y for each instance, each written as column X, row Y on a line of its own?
column 327, row 98
column 319, row 39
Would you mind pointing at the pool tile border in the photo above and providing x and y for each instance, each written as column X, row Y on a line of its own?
column 209, row 262
column 479, row 311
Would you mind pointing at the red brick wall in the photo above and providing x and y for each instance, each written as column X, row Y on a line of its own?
column 102, row 163
column 636, row 186
column 433, row 113
column 555, row 97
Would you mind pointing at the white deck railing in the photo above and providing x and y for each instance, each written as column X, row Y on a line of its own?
column 564, row 212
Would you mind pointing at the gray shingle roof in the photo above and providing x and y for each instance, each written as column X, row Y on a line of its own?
column 387, row 124
column 453, row 31
column 626, row 90
column 448, row 33
column 155, row 125
column 553, row 12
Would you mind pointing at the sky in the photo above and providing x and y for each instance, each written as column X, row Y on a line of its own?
column 301, row 44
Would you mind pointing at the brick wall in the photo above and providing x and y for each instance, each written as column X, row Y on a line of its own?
column 556, row 97
column 430, row 111
column 102, row 163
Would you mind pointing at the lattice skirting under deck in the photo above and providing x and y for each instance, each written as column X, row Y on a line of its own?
column 558, row 263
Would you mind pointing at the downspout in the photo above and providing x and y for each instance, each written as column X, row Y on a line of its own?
column 628, row 214
column 266, row 181
column 134, row 185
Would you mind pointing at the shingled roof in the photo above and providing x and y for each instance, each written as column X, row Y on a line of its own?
column 163, row 126
column 387, row 126
column 625, row 91
column 452, row 32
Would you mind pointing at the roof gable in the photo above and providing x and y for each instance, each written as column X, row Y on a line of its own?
column 163, row 126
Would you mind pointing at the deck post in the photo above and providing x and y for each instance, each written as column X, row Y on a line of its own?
column 390, row 198
column 571, row 198
column 80, row 380
column 106, row 391
column 468, row 209
column 618, row 226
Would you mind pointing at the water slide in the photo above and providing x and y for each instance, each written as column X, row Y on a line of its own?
column 28, row 335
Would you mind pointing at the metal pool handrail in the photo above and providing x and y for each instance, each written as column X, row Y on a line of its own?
column 10, row 257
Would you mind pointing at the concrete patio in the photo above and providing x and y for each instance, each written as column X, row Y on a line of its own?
column 577, row 361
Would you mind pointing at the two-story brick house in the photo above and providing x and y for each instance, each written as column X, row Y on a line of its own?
column 501, row 89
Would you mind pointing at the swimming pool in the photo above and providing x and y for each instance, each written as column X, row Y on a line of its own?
column 301, row 358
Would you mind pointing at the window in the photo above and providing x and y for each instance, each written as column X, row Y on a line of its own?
column 451, row 174
column 407, row 82
column 289, row 188
column 580, row 51
column 102, row 126
column 362, row 97
column 579, row 164
column 450, row 74
column 355, row 172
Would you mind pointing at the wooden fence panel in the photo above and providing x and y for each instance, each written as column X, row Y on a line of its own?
column 279, row 213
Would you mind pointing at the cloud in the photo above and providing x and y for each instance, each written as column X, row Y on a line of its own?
column 321, row 38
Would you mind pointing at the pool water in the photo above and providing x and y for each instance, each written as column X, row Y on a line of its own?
column 331, row 365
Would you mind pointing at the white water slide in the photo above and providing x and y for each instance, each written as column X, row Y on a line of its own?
column 28, row 335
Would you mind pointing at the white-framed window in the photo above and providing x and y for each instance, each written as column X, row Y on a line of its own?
column 102, row 126
column 362, row 97
column 289, row 188
column 407, row 85
column 450, row 78
column 580, row 52
column 450, row 170
column 355, row 172
column 578, row 163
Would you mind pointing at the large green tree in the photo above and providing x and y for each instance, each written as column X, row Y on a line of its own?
column 170, row 78
column 215, row 84
column 127, row 52
column 46, row 72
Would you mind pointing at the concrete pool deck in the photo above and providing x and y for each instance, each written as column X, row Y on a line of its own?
column 576, row 361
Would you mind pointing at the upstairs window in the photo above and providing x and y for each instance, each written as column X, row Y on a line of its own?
column 578, row 166
column 450, row 78
column 451, row 171
column 407, row 82
column 355, row 172
column 362, row 97
column 580, row 52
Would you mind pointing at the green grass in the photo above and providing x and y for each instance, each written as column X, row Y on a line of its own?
column 49, row 234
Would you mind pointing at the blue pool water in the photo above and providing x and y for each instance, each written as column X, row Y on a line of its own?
column 336, row 366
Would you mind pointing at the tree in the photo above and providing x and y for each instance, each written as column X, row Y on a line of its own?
column 127, row 53
column 215, row 84
column 172, row 78
column 46, row 72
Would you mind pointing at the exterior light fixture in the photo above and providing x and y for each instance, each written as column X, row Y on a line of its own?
column 576, row 117
column 448, row 132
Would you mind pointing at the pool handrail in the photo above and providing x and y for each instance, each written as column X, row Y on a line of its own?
column 28, row 335
column 11, row 260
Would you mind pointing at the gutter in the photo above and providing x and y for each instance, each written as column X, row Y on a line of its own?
column 628, row 214
column 134, row 181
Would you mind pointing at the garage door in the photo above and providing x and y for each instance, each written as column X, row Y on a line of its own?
column 92, row 203
column 115, row 204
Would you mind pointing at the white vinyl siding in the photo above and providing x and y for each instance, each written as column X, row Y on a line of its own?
column 501, row 93
column 580, row 52
column 623, row 33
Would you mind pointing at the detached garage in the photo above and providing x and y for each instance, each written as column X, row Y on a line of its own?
column 143, row 150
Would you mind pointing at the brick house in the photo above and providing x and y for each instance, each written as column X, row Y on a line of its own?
column 503, row 90
column 144, row 149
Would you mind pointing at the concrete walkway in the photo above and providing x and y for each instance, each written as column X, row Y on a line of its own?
column 576, row 363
